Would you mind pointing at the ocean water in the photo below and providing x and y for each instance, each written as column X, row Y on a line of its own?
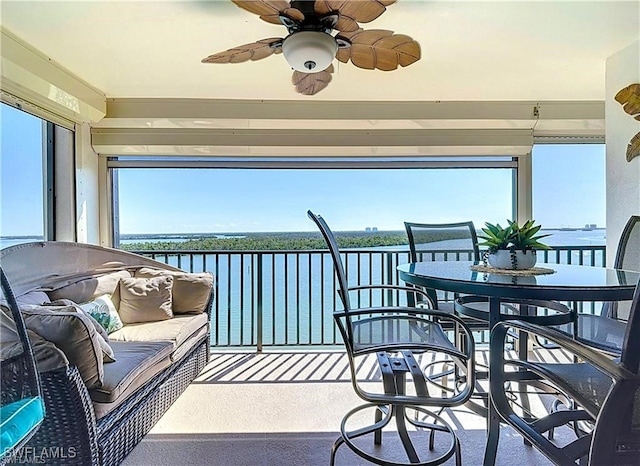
column 596, row 237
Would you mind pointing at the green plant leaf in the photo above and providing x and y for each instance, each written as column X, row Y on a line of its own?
column 513, row 236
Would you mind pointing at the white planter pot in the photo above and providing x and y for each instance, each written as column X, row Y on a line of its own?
column 512, row 279
column 521, row 260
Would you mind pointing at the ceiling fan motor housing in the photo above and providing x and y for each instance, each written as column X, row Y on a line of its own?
column 309, row 51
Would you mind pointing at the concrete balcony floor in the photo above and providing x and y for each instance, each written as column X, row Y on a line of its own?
column 285, row 409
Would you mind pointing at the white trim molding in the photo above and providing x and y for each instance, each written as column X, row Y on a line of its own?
column 30, row 76
column 258, row 128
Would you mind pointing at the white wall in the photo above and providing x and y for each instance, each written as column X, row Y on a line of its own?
column 623, row 178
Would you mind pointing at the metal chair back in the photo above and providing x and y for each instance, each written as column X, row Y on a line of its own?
column 433, row 241
column 630, row 357
column 627, row 258
column 628, row 252
column 426, row 239
column 330, row 239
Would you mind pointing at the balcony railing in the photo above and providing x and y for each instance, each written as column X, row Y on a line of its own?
column 286, row 298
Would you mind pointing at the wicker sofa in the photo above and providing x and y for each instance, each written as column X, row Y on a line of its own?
column 98, row 422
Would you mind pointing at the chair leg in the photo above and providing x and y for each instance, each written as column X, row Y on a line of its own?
column 399, row 412
column 377, row 436
column 458, row 452
column 334, row 449
column 493, row 436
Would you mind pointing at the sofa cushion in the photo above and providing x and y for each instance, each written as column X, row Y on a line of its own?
column 190, row 342
column 138, row 362
column 74, row 334
column 102, row 336
column 18, row 419
column 33, row 297
column 146, row 299
column 68, row 303
column 180, row 330
column 90, row 288
column 47, row 355
column 191, row 291
column 177, row 330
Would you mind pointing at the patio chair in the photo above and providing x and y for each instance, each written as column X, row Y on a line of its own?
column 439, row 241
column 405, row 344
column 604, row 412
column 22, row 407
column 605, row 331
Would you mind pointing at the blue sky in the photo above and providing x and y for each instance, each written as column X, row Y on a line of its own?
column 277, row 200
column 20, row 173
column 569, row 189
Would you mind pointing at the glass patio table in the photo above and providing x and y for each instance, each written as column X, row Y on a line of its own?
column 572, row 283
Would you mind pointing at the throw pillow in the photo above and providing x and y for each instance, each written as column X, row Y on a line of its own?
column 103, row 337
column 104, row 311
column 90, row 288
column 191, row 291
column 146, row 299
column 68, row 303
column 74, row 334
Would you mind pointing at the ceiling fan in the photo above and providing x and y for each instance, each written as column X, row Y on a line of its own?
column 310, row 47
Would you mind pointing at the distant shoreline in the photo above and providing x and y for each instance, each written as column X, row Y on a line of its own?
column 135, row 236
column 559, row 236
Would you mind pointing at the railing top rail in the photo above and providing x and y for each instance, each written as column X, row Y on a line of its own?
column 361, row 250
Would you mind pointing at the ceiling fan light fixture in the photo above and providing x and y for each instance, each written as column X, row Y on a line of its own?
column 309, row 51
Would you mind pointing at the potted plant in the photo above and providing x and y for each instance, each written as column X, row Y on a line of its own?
column 512, row 247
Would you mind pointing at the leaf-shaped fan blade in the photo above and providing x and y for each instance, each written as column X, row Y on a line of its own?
column 270, row 10
column 629, row 98
column 379, row 49
column 351, row 13
column 633, row 149
column 255, row 51
column 311, row 83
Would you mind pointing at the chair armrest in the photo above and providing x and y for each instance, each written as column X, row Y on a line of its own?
column 416, row 312
column 594, row 357
column 408, row 289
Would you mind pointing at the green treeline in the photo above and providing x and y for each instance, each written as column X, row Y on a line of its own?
column 282, row 241
column 274, row 241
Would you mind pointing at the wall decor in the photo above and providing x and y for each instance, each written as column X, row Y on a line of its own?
column 629, row 98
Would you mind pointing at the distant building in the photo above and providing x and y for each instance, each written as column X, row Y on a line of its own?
column 368, row 229
column 374, row 229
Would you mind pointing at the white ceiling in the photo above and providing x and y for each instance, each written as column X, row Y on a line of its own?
column 471, row 50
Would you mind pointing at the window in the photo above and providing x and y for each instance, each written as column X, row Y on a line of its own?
column 23, row 188
column 569, row 192
column 229, row 201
